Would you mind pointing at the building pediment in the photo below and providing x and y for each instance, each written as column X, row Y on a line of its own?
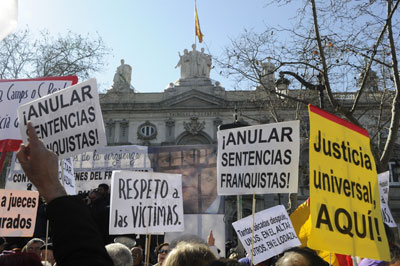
column 193, row 99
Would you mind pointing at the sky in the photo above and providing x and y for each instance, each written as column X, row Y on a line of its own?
column 148, row 34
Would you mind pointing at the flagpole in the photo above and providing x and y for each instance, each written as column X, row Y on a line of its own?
column 194, row 13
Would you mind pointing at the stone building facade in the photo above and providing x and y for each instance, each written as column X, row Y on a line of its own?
column 190, row 110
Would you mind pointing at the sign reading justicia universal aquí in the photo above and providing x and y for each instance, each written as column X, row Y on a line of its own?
column 345, row 203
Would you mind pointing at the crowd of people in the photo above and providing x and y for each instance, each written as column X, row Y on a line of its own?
column 77, row 236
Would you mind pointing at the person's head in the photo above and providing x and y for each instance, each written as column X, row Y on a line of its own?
column 103, row 189
column 161, row 251
column 122, row 61
column 120, row 254
column 47, row 253
column 94, row 195
column 33, row 246
column 194, row 46
column 189, row 254
column 301, row 256
column 137, row 254
column 19, row 259
column 394, row 255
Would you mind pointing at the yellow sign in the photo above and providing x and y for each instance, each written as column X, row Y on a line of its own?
column 345, row 204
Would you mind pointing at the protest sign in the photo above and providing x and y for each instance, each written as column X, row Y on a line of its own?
column 273, row 233
column 66, row 175
column 258, row 159
column 143, row 203
column 383, row 179
column 345, row 203
column 18, row 212
column 17, row 179
column 14, row 93
column 95, row 167
column 69, row 121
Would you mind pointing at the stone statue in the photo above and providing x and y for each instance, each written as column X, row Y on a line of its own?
column 184, row 64
column 194, row 64
column 205, row 64
column 122, row 77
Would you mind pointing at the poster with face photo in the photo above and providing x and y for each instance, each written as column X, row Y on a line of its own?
column 197, row 165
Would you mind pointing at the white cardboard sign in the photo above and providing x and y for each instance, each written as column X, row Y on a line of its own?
column 273, row 233
column 68, row 179
column 258, row 159
column 383, row 180
column 95, row 167
column 17, row 179
column 18, row 212
column 14, row 93
column 143, row 203
column 69, row 121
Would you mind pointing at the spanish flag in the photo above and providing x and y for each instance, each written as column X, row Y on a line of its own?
column 197, row 24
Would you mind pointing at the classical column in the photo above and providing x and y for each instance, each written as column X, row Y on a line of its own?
column 170, row 130
column 217, row 122
column 124, row 131
column 117, row 131
column 109, row 127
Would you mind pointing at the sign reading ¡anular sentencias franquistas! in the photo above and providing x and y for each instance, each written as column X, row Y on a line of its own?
column 69, row 121
column 258, row 159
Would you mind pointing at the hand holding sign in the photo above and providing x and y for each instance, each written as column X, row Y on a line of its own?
column 41, row 166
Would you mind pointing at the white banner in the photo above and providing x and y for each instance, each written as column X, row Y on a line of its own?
column 18, row 212
column 258, row 159
column 95, row 167
column 273, row 233
column 143, row 203
column 383, row 180
column 69, row 121
column 14, row 93
column 17, row 179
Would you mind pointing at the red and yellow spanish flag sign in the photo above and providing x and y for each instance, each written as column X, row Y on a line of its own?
column 345, row 207
column 197, row 25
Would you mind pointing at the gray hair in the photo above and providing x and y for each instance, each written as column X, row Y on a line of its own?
column 35, row 240
column 120, row 254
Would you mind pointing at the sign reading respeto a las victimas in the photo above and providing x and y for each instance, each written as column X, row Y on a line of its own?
column 344, row 192
column 258, row 159
column 143, row 203
column 273, row 233
column 69, row 121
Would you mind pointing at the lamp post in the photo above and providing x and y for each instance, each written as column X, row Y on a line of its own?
column 319, row 87
column 282, row 85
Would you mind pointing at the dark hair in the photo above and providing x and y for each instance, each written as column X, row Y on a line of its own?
column 11, row 258
column 159, row 247
column 104, row 186
column 311, row 256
